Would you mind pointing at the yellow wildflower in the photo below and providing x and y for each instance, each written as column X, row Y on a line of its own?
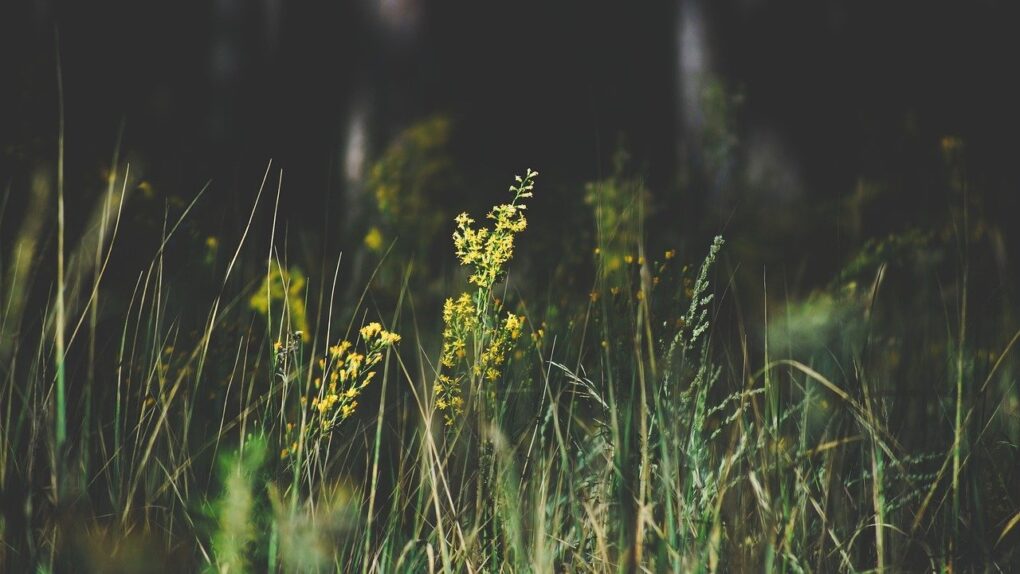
column 370, row 330
column 374, row 239
column 475, row 339
column 354, row 361
column 339, row 349
column 387, row 338
column 348, row 409
column 513, row 325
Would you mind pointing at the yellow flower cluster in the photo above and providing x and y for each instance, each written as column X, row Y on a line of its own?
column 488, row 251
column 464, row 329
column 460, row 318
column 348, row 372
column 475, row 340
column 448, row 398
column 494, row 354
column 374, row 239
column 501, row 340
column 283, row 288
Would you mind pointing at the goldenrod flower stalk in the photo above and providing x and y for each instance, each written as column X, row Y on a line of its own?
column 475, row 339
column 347, row 371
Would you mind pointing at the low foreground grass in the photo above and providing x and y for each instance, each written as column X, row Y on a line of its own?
column 269, row 423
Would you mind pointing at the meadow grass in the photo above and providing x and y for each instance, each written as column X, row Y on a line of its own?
column 636, row 425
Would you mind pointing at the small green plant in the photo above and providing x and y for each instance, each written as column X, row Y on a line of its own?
column 236, row 511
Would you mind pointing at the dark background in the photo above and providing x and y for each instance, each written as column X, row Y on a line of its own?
column 833, row 91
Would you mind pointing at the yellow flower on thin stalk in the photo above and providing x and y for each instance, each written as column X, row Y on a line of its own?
column 475, row 339
column 348, row 371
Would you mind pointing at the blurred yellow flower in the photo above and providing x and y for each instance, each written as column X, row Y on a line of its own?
column 374, row 239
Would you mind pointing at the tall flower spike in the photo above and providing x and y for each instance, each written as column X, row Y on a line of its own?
column 475, row 339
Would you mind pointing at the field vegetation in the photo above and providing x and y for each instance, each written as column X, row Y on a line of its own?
column 539, row 386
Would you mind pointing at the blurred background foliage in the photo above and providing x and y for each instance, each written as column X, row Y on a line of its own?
column 785, row 124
